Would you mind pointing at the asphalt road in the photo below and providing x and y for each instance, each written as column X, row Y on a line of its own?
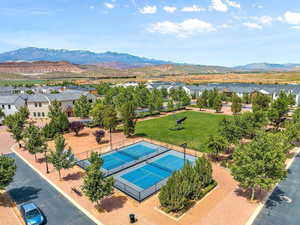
column 28, row 186
column 283, row 206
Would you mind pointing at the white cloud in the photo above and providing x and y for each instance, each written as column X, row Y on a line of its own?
column 292, row 18
column 233, row 4
column 92, row 7
column 225, row 26
column 183, row 29
column 169, row 9
column 148, row 9
column 296, row 27
column 109, row 5
column 218, row 5
column 265, row 20
column 193, row 8
column 253, row 25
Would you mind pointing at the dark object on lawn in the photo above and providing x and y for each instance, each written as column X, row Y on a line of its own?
column 76, row 126
column 132, row 218
column 99, row 136
column 76, row 191
column 179, row 124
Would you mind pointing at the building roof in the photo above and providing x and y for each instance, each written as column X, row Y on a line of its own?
column 8, row 99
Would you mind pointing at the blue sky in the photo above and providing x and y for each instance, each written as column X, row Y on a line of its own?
column 214, row 32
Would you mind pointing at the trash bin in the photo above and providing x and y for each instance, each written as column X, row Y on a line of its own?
column 132, row 218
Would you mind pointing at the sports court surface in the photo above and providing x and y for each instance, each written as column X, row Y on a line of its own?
column 148, row 177
column 125, row 157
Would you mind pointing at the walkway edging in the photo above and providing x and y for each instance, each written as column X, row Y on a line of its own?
column 83, row 210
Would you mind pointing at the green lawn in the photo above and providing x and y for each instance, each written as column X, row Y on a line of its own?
column 197, row 128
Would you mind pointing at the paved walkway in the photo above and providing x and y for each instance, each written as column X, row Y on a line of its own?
column 283, row 206
column 28, row 186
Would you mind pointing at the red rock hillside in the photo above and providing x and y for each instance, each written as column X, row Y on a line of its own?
column 38, row 67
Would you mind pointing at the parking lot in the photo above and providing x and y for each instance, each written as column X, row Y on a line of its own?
column 283, row 206
column 28, row 186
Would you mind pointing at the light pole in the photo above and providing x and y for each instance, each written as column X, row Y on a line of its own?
column 184, row 146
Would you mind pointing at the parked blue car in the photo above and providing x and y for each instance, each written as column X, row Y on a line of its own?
column 32, row 214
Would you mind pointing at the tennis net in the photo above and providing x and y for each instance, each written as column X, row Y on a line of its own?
column 160, row 166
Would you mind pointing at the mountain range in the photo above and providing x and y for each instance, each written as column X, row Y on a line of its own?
column 126, row 61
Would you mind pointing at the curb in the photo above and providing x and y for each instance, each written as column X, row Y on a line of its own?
column 262, row 204
column 83, row 210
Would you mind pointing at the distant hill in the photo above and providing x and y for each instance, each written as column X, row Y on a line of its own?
column 77, row 57
column 268, row 67
column 38, row 67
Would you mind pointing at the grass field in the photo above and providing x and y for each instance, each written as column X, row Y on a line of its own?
column 197, row 128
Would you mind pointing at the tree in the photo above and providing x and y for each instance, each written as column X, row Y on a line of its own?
column 230, row 130
column 217, row 104
column 76, row 126
column 34, row 140
column 97, row 113
column 170, row 106
column 110, row 121
column 15, row 123
column 204, row 95
column 203, row 169
column 128, row 118
column 236, row 105
column 260, row 163
column 2, row 114
column 200, row 103
column 7, row 171
column 59, row 121
column 172, row 196
column 260, row 102
column 82, row 107
column 246, row 98
column 278, row 110
column 95, row 186
column 100, row 134
column 217, row 144
column 61, row 158
column 291, row 99
column 24, row 112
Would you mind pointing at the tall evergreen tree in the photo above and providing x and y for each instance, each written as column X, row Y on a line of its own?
column 82, row 107
column 128, row 118
column 217, row 104
column 236, row 105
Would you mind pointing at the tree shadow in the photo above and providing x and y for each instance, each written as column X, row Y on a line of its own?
column 24, row 194
column 140, row 135
column 84, row 134
column 41, row 160
column 73, row 176
column 4, row 200
column 246, row 193
column 114, row 202
column 275, row 198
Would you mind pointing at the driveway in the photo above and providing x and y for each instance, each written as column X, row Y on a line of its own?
column 283, row 206
column 28, row 186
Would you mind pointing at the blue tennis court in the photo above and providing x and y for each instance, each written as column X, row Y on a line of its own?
column 125, row 157
column 146, row 178
column 154, row 172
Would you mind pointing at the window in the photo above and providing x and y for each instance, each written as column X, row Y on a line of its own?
column 91, row 101
column 43, row 114
column 35, row 104
column 40, row 104
column 73, row 102
column 3, row 106
column 39, row 114
column 34, row 114
column 8, row 106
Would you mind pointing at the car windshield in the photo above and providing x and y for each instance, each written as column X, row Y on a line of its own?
column 32, row 213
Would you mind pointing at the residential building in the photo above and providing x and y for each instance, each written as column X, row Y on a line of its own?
column 11, row 104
